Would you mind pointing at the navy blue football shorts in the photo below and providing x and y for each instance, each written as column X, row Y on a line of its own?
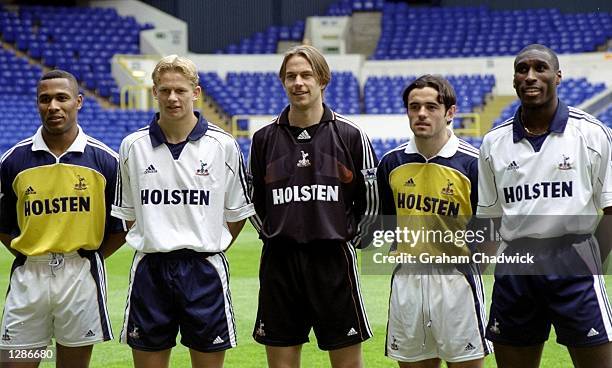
column 304, row 286
column 182, row 291
column 525, row 306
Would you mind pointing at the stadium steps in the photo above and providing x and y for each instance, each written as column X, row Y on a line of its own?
column 105, row 103
column 365, row 30
column 492, row 110
column 213, row 113
column 283, row 46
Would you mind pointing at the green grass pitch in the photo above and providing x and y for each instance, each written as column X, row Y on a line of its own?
column 244, row 262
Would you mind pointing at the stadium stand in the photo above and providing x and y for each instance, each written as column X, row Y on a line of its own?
column 382, row 95
column 19, row 117
column 572, row 91
column 262, row 93
column 83, row 41
column 79, row 40
column 606, row 116
column 479, row 31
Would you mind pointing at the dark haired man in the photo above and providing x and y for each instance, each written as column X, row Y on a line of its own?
column 314, row 192
column 436, row 312
column 55, row 199
column 548, row 160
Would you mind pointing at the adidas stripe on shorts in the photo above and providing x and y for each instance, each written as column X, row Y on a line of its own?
column 180, row 290
column 436, row 313
column 56, row 295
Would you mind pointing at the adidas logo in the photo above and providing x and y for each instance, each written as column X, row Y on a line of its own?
column 512, row 166
column 303, row 135
column 409, row 183
column 351, row 332
column 30, row 190
column 592, row 332
column 6, row 336
column 218, row 340
column 90, row 333
column 150, row 170
column 469, row 347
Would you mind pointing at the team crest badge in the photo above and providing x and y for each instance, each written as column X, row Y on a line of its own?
column 304, row 162
column 81, row 185
column 134, row 334
column 393, row 344
column 202, row 171
column 448, row 189
column 260, row 330
column 565, row 164
column 495, row 327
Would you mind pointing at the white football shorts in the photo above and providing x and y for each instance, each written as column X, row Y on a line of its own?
column 56, row 295
column 436, row 313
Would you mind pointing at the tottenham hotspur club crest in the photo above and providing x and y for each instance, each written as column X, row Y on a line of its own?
column 202, row 171
column 304, row 162
column 565, row 165
column 448, row 190
column 495, row 327
column 260, row 330
column 81, row 185
column 134, row 334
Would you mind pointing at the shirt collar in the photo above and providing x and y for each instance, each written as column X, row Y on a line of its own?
column 78, row 145
column 557, row 125
column 328, row 115
column 447, row 151
column 158, row 137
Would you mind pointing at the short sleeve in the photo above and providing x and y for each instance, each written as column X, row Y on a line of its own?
column 123, row 205
column 238, row 205
column 489, row 204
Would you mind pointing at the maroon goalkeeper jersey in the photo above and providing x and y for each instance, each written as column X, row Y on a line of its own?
column 311, row 184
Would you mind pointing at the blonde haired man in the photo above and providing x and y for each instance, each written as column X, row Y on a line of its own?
column 181, row 183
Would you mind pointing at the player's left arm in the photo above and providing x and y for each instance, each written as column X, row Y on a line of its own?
column 115, row 228
column 111, row 243
column 235, row 228
column 476, row 224
column 366, row 203
column 603, row 193
column 6, row 240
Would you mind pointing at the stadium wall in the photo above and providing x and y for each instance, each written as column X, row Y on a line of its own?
column 215, row 24
column 596, row 67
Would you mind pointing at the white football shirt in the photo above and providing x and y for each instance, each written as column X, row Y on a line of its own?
column 182, row 202
column 548, row 188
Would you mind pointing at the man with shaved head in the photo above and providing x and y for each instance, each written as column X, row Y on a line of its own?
column 546, row 172
column 56, row 191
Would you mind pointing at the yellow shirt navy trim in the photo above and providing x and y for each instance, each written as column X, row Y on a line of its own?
column 57, row 204
column 438, row 193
